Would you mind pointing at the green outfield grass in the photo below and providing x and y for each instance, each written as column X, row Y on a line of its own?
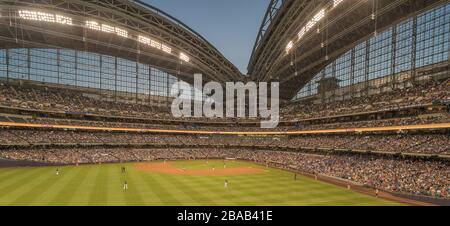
column 100, row 185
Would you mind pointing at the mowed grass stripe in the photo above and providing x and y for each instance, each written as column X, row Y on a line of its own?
column 83, row 190
column 133, row 195
column 350, row 198
column 175, row 190
column 332, row 198
column 248, row 190
column 304, row 196
column 46, row 197
column 147, row 195
column 18, row 174
column 233, row 195
column 67, row 191
column 22, row 180
column 201, row 189
column 37, row 190
column 183, row 190
column 50, row 197
column 255, row 191
column 10, row 173
column 159, row 194
column 316, row 197
column 99, row 195
column 306, row 190
column 115, row 188
column 236, row 195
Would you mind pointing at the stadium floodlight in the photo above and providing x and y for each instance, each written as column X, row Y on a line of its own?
column 337, row 2
column 107, row 28
column 301, row 33
column 184, row 57
column 121, row 32
column 144, row 40
column 289, row 46
column 317, row 18
column 309, row 25
column 166, row 49
column 155, row 44
column 45, row 17
column 93, row 25
column 63, row 20
column 28, row 15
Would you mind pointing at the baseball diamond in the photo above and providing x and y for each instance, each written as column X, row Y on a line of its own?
column 187, row 183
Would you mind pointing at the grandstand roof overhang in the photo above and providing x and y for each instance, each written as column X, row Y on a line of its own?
column 135, row 17
column 338, row 31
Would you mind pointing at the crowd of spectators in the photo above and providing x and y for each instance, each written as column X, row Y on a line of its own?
column 75, row 101
column 430, row 119
column 398, row 143
column 431, row 143
column 410, row 176
column 65, row 100
column 79, row 102
column 420, row 94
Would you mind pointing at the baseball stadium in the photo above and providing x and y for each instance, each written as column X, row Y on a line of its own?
column 86, row 102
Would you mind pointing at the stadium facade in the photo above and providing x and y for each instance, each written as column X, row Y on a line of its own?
column 410, row 50
column 365, row 86
column 301, row 43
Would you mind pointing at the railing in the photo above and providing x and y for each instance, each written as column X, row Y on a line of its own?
column 260, row 133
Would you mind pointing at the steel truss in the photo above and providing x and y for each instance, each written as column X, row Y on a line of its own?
column 136, row 17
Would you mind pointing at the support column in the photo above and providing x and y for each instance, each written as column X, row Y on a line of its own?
column 322, row 95
column 29, row 64
column 149, row 86
column 115, row 79
column 333, row 73
column 352, row 74
column 366, row 70
column 101, row 72
column 58, row 60
column 394, row 57
column 310, row 89
column 167, row 91
column 414, row 50
column 76, row 68
column 137, row 83
column 448, row 56
column 7, row 65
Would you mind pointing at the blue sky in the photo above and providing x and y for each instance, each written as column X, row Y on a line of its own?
column 230, row 25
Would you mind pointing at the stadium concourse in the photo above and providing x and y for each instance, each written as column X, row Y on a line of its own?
column 374, row 112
